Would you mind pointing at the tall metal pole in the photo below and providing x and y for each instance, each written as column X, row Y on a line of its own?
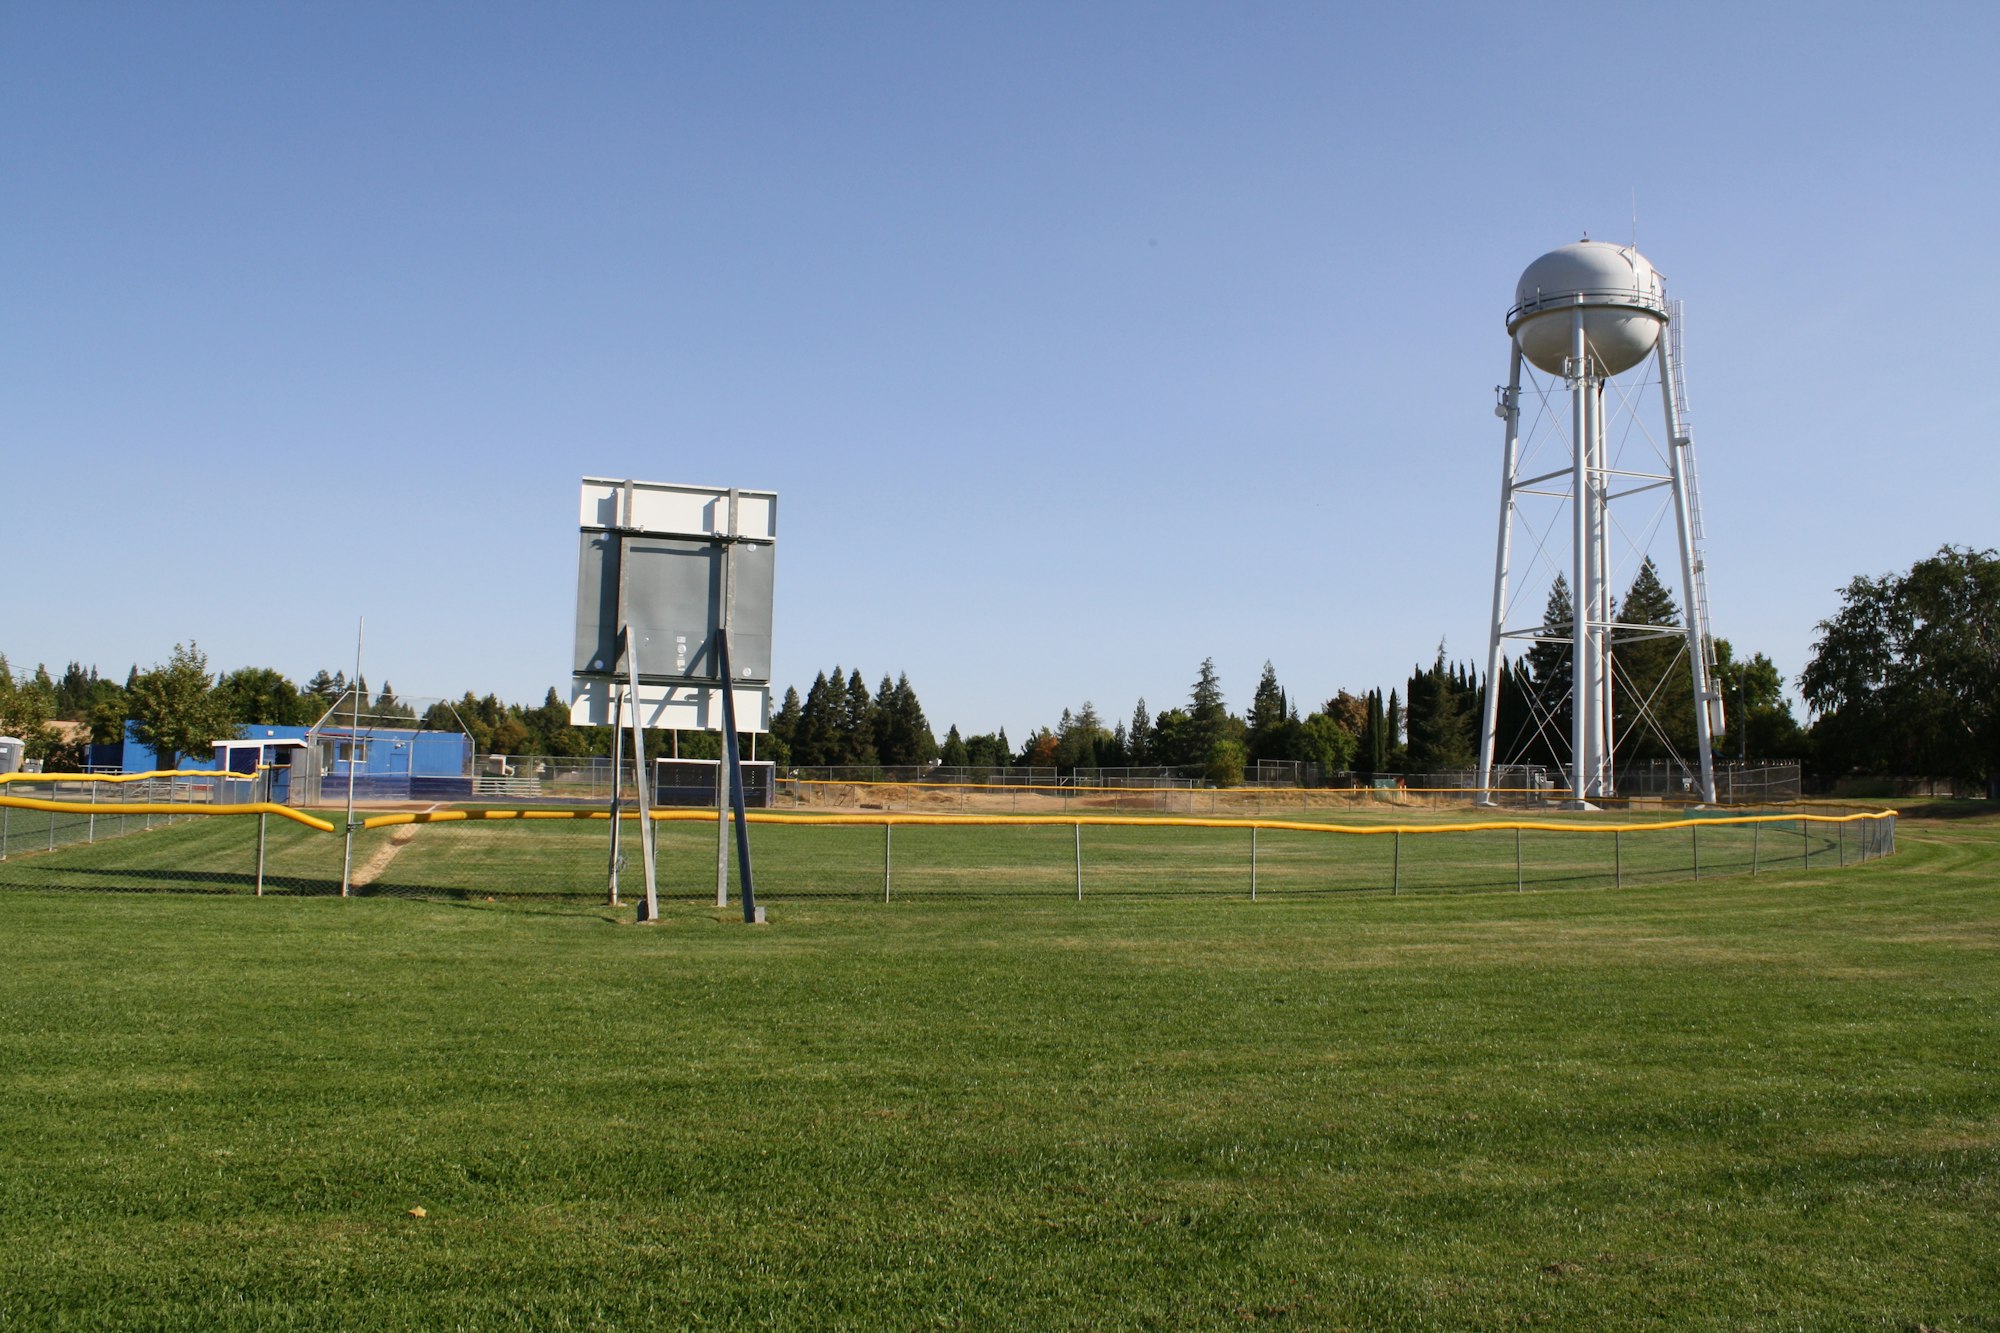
column 1489, row 725
column 1602, row 780
column 734, row 759
column 1582, row 598
column 617, row 765
column 353, row 751
column 722, row 769
column 642, row 784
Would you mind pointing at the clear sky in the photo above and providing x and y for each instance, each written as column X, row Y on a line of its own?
column 1080, row 341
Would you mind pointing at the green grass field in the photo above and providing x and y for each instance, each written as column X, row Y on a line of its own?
column 1737, row 1103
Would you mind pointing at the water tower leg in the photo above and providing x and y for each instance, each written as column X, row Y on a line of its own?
column 1489, row 723
column 1583, row 595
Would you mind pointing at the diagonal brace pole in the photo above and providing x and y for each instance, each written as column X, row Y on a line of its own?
column 734, row 756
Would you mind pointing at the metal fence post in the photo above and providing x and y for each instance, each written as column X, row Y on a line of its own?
column 1843, row 844
column 52, row 830
column 1618, row 856
column 1396, row 882
column 1695, row 831
column 91, row 834
column 1253, row 863
column 1079, row 860
column 5, row 811
column 261, row 819
column 1517, row 859
column 1805, row 841
column 888, row 833
column 1755, row 829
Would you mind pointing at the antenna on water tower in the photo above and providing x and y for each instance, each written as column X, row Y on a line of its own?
column 1586, row 314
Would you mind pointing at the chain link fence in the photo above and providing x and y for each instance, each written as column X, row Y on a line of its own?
column 562, row 856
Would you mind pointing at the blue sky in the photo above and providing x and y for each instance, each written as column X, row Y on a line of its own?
column 1081, row 342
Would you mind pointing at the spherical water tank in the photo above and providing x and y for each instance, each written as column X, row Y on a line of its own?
column 1623, row 301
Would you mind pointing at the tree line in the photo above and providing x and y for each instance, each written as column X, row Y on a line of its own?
column 1905, row 677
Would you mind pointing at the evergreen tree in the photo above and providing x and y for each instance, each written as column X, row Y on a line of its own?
column 1272, row 727
column 785, row 722
column 1652, row 693
column 1083, row 738
column 1173, row 739
column 1440, row 718
column 954, row 754
column 1396, row 757
column 1208, row 719
column 1540, row 733
column 1139, row 736
column 817, row 739
column 883, row 715
column 857, row 726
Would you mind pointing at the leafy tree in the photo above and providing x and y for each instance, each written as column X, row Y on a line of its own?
column 176, row 709
column 26, row 709
column 1173, row 738
column 1907, row 673
column 1040, row 749
column 1761, row 725
column 1328, row 743
column 260, row 695
column 1225, row 763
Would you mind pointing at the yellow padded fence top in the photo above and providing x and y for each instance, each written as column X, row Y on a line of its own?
column 154, row 775
column 880, row 819
column 163, row 808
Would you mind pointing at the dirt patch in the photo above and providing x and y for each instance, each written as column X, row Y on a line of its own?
column 378, row 860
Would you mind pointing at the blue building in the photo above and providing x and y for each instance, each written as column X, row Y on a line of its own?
column 387, row 763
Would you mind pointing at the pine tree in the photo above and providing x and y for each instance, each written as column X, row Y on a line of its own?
column 1268, row 718
column 785, row 722
column 1440, row 718
column 954, row 754
column 1139, row 737
column 1395, row 756
column 1548, row 678
column 1208, row 719
column 1652, row 693
column 817, row 739
column 857, row 727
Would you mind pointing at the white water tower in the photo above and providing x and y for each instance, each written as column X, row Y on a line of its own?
column 1584, row 315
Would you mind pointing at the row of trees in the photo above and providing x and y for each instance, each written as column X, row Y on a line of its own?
column 1905, row 677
